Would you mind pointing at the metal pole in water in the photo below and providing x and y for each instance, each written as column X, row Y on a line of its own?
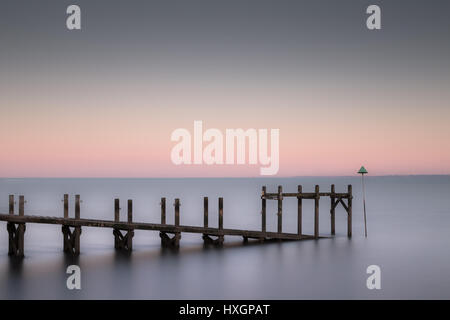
column 363, row 171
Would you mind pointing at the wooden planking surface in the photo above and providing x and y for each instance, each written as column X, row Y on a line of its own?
column 149, row 226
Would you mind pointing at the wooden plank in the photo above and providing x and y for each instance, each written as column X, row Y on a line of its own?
column 146, row 226
column 304, row 195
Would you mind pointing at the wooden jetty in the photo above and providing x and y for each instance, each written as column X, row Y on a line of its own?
column 170, row 235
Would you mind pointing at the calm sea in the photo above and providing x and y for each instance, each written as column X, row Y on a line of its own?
column 408, row 237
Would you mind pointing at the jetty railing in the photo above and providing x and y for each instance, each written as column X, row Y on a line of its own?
column 170, row 234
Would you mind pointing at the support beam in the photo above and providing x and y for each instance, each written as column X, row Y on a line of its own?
column 263, row 210
column 130, row 233
column 71, row 237
column 220, row 213
column 16, row 232
column 77, row 206
column 177, row 212
column 163, row 210
column 299, row 210
column 205, row 212
column 168, row 242
column 123, row 239
column 280, row 209
column 349, row 211
column 333, row 210
column 117, row 235
column 316, row 212
column 11, row 204
column 66, row 206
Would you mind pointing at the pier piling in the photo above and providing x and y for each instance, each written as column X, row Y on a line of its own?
column 332, row 210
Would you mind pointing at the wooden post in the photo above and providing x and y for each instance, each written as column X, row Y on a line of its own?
column 11, row 228
column 21, row 205
column 263, row 210
column 177, row 212
column 130, row 231
column 220, row 213
column 77, row 206
column 205, row 212
column 333, row 210
column 316, row 212
column 130, row 211
column 349, row 211
column 66, row 206
column 299, row 210
column 280, row 208
column 21, row 228
column 163, row 210
column 116, row 219
column 116, row 210
column 77, row 230
column 11, row 204
column 221, row 236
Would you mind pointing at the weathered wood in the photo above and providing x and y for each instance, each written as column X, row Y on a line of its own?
column 116, row 210
column 123, row 225
column 205, row 212
column 304, row 195
column 220, row 213
column 123, row 241
column 168, row 242
column 77, row 206
column 299, row 210
column 349, row 211
column 177, row 212
column 16, row 224
column 20, row 231
column 21, row 205
column 263, row 210
column 316, row 212
column 71, row 239
column 163, row 210
column 130, row 211
column 208, row 240
column 66, row 205
column 11, row 204
column 332, row 210
column 16, row 239
column 130, row 233
column 116, row 232
column 280, row 209
column 343, row 204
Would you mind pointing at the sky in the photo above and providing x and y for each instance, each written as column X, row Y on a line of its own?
column 103, row 101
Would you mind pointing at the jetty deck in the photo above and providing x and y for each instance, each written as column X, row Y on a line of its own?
column 170, row 234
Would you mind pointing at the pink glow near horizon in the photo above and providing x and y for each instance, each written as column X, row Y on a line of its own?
column 125, row 132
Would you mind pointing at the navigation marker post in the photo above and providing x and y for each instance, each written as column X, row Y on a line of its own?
column 363, row 171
